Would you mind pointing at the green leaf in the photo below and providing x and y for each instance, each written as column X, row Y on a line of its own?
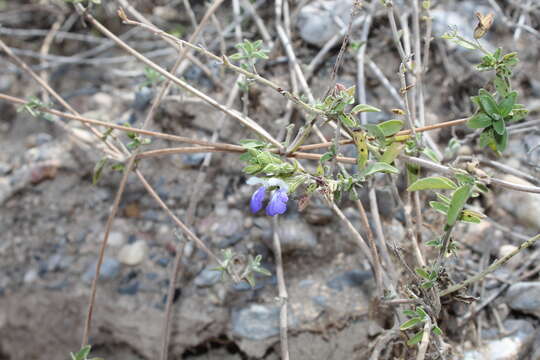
column 416, row 338
column 252, row 143
column 360, row 108
column 379, row 167
column 487, row 138
column 422, row 273
column 501, row 86
column 251, row 169
column 433, row 182
column 479, row 121
column 376, row 131
column 470, row 218
column 391, row 127
column 432, row 155
column 81, row 354
column 445, row 199
column 437, row 330
column 410, row 323
column 499, row 127
column 439, row 206
column 435, row 242
column 507, row 104
column 347, row 120
column 98, row 169
column 502, row 140
column 420, row 310
column 410, row 313
column 488, row 103
column 392, row 152
column 460, row 197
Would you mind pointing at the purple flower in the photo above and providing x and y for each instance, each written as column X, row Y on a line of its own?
column 278, row 199
column 256, row 202
column 277, row 203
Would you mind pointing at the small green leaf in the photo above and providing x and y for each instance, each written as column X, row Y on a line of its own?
column 501, row 86
column 507, row 104
column 98, row 169
column 251, row 169
column 487, row 138
column 379, row 167
column 479, row 121
column 460, row 197
column 502, row 140
column 420, row 310
column 252, row 143
column 437, row 330
column 439, row 206
column 488, row 103
column 364, row 108
column 416, row 338
column 432, row 155
column 434, row 242
column 347, row 120
column 410, row 313
column 392, row 152
column 422, row 273
column 81, row 354
column 499, row 127
column 390, row 127
column 433, row 182
column 410, row 323
column 445, row 199
column 470, row 218
column 376, row 131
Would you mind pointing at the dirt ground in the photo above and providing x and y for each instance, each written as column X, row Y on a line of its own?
column 52, row 216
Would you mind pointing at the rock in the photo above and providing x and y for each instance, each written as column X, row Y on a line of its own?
column 116, row 239
column 521, row 204
column 256, row 322
column 109, row 269
column 142, row 99
column 133, row 254
column 318, row 214
column 352, row 278
column 163, row 261
column 207, row 277
column 193, row 159
column 129, row 289
column 511, row 347
column 536, row 347
column 294, row 234
column 317, row 21
column 30, row 276
column 524, row 297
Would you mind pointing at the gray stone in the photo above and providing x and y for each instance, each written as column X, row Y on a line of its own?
column 511, row 347
column 30, row 276
column 523, row 205
column 133, row 254
column 525, row 297
column 256, row 322
column 207, row 277
column 352, row 278
column 129, row 289
column 109, row 269
column 294, row 234
column 317, row 21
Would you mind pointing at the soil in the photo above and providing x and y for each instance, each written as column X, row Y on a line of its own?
column 52, row 216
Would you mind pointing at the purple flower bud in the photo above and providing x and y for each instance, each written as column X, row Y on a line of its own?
column 257, row 198
column 277, row 203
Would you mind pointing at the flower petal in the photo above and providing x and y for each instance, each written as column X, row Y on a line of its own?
column 257, row 198
column 277, row 203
